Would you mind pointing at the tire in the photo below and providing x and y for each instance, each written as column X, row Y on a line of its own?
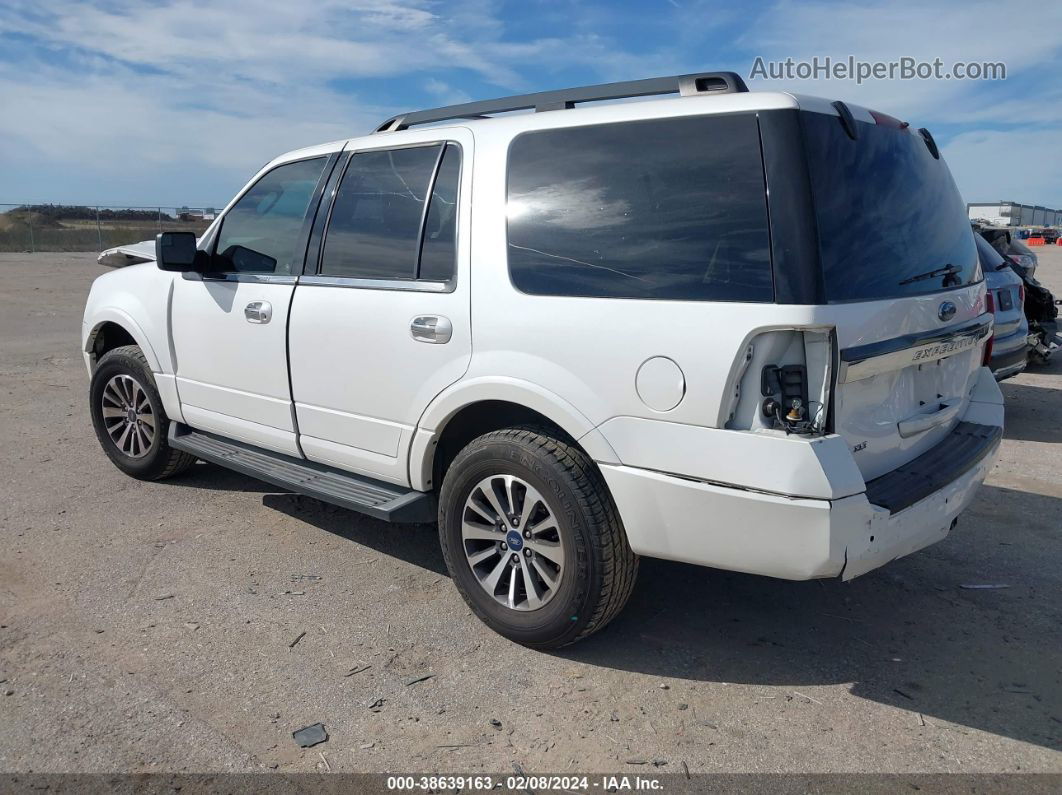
column 115, row 383
column 596, row 576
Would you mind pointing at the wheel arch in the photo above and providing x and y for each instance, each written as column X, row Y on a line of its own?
column 470, row 409
column 112, row 328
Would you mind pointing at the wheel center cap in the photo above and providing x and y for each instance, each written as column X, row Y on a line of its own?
column 514, row 540
column 130, row 415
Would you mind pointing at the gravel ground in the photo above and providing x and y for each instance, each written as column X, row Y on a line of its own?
column 152, row 626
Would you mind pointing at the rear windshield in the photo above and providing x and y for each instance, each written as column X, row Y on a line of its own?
column 888, row 213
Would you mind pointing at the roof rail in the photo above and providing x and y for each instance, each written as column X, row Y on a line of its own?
column 685, row 85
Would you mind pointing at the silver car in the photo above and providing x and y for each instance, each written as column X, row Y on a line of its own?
column 1006, row 296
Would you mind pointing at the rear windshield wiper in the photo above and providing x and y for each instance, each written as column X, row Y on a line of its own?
column 947, row 270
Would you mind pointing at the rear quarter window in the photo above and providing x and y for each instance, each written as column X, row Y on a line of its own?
column 660, row 209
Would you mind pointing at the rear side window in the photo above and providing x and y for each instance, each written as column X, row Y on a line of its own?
column 382, row 222
column 667, row 209
column 261, row 231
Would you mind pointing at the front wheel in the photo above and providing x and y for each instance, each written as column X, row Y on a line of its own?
column 128, row 418
column 532, row 538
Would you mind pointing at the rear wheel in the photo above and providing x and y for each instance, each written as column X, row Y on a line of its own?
column 532, row 539
column 128, row 418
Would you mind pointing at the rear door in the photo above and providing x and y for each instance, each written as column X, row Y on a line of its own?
column 380, row 324
column 901, row 278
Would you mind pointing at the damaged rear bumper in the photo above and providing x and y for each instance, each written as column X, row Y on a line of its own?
column 797, row 538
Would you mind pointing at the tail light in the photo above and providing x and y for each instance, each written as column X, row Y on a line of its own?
column 1015, row 258
column 885, row 120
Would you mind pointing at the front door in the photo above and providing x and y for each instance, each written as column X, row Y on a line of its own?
column 230, row 323
column 383, row 325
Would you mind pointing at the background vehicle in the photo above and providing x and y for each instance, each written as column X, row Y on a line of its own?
column 1041, row 310
column 1006, row 299
column 577, row 336
column 1020, row 254
column 1008, row 245
column 1049, row 234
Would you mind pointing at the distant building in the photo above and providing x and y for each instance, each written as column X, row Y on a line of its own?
column 1014, row 214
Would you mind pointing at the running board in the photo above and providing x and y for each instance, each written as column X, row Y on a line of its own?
column 365, row 495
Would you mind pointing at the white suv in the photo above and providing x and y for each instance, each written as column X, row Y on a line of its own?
column 739, row 330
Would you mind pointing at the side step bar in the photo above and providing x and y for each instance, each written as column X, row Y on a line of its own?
column 365, row 495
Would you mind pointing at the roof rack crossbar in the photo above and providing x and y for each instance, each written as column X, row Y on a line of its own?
column 685, row 85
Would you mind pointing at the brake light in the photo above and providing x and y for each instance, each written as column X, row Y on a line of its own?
column 885, row 120
column 990, row 303
column 988, row 351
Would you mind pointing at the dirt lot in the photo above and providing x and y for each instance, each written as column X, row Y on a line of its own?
column 150, row 627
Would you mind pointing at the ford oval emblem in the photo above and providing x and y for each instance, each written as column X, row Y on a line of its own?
column 947, row 311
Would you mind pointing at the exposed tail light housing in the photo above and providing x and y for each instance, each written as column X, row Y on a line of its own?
column 990, row 303
column 783, row 380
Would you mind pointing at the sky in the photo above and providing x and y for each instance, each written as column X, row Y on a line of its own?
column 179, row 102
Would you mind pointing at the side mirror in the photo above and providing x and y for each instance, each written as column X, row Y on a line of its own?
column 175, row 251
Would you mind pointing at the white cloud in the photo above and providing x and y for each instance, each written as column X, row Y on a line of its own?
column 194, row 95
column 952, row 30
column 1016, row 165
column 1012, row 127
column 219, row 87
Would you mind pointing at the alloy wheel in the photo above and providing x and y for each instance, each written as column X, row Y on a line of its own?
column 127, row 416
column 512, row 542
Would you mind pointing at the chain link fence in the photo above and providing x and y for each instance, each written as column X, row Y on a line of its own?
column 67, row 227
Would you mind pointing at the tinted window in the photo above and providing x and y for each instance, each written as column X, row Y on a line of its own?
column 671, row 209
column 888, row 212
column 375, row 225
column 260, row 233
column 438, row 252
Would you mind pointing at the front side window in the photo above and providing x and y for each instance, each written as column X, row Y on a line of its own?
column 261, row 231
column 667, row 209
column 380, row 227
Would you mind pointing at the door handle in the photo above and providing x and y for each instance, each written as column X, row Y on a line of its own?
column 431, row 329
column 258, row 312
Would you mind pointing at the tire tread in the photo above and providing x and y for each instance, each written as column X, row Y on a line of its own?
column 173, row 462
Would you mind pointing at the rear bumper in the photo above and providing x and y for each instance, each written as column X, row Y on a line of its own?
column 797, row 538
